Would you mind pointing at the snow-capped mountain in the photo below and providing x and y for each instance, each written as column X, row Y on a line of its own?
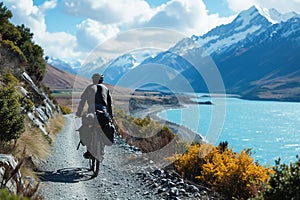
column 273, row 16
column 251, row 22
column 114, row 69
column 91, row 66
column 120, row 66
column 71, row 67
column 248, row 22
column 258, row 44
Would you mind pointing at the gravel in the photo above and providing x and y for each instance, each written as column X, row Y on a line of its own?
column 124, row 174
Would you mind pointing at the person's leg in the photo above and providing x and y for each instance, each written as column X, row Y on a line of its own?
column 99, row 160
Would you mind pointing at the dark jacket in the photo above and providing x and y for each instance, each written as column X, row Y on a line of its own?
column 97, row 97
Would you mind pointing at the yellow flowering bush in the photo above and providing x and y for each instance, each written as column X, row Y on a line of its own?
column 187, row 164
column 234, row 175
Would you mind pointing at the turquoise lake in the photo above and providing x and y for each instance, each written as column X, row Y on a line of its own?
column 271, row 129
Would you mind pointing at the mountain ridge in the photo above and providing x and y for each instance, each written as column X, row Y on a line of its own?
column 258, row 47
column 267, row 53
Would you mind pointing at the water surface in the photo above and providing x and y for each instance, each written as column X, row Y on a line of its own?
column 271, row 129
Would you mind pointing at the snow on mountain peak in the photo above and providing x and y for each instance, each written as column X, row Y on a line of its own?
column 70, row 66
column 271, row 15
column 126, row 60
column 250, row 22
column 274, row 16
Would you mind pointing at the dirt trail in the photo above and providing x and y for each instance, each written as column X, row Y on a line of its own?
column 65, row 173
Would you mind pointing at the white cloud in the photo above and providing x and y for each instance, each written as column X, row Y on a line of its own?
column 282, row 6
column 156, row 39
column 90, row 33
column 187, row 16
column 26, row 13
column 48, row 5
column 106, row 18
column 238, row 5
column 109, row 11
column 60, row 45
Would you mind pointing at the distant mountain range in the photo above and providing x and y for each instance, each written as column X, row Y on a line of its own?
column 71, row 67
column 257, row 55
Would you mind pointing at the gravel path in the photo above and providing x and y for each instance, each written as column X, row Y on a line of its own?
column 124, row 174
column 65, row 173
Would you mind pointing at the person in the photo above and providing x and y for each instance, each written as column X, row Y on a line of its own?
column 97, row 97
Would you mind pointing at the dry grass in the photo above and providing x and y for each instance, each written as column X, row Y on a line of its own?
column 56, row 124
column 36, row 147
column 36, row 144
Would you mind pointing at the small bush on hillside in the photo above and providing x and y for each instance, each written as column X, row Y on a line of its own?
column 48, row 91
column 8, row 78
column 14, row 50
column 12, row 121
column 144, row 133
column 285, row 182
column 229, row 173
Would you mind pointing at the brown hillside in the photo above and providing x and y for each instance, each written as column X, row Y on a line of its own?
column 57, row 79
column 62, row 84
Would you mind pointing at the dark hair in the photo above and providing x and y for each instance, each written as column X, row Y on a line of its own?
column 97, row 78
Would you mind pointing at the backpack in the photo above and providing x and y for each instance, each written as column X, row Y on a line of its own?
column 106, row 126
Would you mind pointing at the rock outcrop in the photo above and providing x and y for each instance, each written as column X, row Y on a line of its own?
column 9, row 178
column 43, row 108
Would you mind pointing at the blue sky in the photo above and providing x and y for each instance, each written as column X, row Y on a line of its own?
column 52, row 16
column 71, row 29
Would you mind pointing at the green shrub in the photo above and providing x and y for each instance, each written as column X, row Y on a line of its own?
column 8, row 78
column 5, row 195
column 36, row 67
column 285, row 182
column 12, row 121
column 144, row 133
column 18, row 40
column 15, row 50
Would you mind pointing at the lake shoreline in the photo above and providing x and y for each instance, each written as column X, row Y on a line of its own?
column 180, row 130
